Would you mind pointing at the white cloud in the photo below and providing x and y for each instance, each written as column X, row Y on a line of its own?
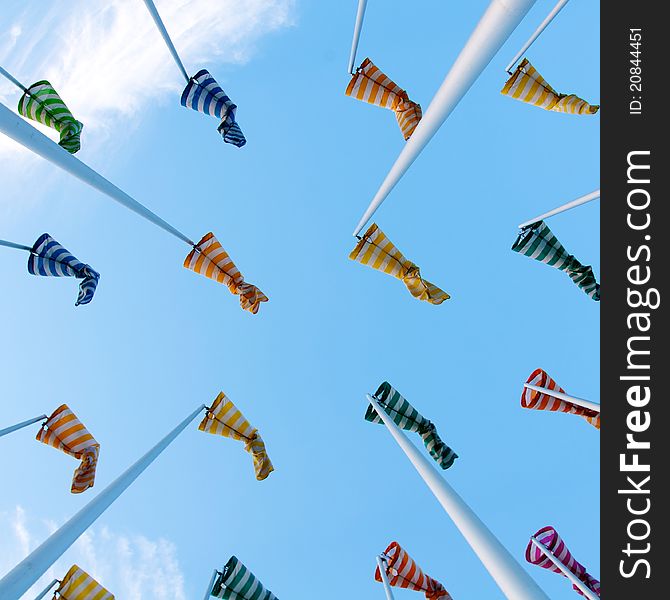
column 109, row 63
column 21, row 531
column 8, row 40
column 130, row 566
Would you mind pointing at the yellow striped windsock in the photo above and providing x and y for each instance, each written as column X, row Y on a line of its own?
column 63, row 430
column 375, row 250
column 528, row 86
column 79, row 585
column 223, row 418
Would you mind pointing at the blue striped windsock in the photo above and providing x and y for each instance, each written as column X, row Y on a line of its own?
column 49, row 259
column 204, row 94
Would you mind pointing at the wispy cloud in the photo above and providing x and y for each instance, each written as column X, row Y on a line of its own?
column 130, row 566
column 21, row 531
column 108, row 62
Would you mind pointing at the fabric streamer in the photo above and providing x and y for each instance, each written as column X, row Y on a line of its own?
column 223, row 418
column 549, row 537
column 537, row 241
column 204, row 94
column 403, row 572
column 79, row 585
column 49, row 259
column 236, row 582
column 41, row 103
column 535, row 400
column 528, row 86
column 208, row 258
column 370, row 85
column 375, row 250
column 406, row 417
column 64, row 431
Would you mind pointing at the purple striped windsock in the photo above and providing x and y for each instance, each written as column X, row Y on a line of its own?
column 549, row 537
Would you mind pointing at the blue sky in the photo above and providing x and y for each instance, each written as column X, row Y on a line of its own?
column 158, row 340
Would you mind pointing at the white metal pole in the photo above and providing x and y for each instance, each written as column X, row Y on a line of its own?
column 25, row 134
column 13, row 245
column 13, row 79
column 357, row 33
column 31, row 568
column 493, row 29
column 561, row 396
column 161, row 27
column 7, row 430
column 385, row 579
column 578, row 202
column 510, row 576
column 45, row 591
column 151, row 7
column 569, row 574
column 208, row 593
column 538, row 31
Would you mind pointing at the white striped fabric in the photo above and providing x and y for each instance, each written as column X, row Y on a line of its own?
column 403, row 572
column 79, row 585
column 236, row 582
column 64, row 431
column 370, row 85
column 542, row 401
column 210, row 259
column 550, row 539
column 42, row 103
column 377, row 251
column 48, row 258
column 204, row 94
column 225, row 419
column 538, row 241
column 527, row 85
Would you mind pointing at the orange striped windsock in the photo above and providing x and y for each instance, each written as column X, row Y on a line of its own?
column 209, row 259
column 370, row 85
column 63, row 430
column 541, row 401
column 403, row 572
column 223, row 418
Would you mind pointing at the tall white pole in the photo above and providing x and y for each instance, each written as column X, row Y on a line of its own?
column 578, row 202
column 31, row 568
column 208, row 593
column 385, row 579
column 538, row 31
column 151, row 7
column 493, row 29
column 13, row 79
column 13, row 245
column 357, row 33
column 25, row 134
column 561, row 396
column 567, row 572
column 510, row 576
column 7, row 430
column 46, row 590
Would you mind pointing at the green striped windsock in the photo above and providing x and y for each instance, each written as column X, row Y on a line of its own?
column 407, row 417
column 538, row 242
column 41, row 103
column 239, row 583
